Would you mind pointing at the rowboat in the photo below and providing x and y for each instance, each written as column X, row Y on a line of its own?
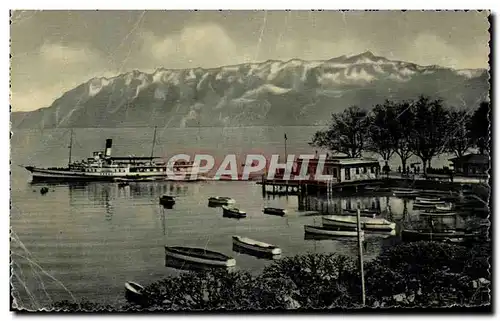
column 429, row 200
column 319, row 230
column 255, row 246
column 404, row 192
column 364, row 212
column 415, row 235
column 167, row 200
column 134, row 292
column 421, row 204
column 437, row 214
column 444, row 208
column 340, row 221
column 221, row 200
column 229, row 211
column 199, row 256
column 378, row 224
column 350, row 221
column 274, row 211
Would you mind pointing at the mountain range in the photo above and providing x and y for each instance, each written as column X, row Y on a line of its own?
column 295, row 92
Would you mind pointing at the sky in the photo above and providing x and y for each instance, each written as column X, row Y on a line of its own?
column 55, row 51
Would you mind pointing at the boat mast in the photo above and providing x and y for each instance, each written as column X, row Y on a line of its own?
column 70, row 146
column 154, row 141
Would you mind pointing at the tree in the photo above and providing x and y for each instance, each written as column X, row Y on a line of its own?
column 429, row 134
column 479, row 127
column 382, row 126
column 346, row 133
column 402, row 131
column 459, row 140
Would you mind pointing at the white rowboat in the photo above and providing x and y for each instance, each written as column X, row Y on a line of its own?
column 429, row 200
column 256, row 246
column 444, row 208
column 221, row 200
column 134, row 292
column 404, row 192
column 233, row 212
column 350, row 221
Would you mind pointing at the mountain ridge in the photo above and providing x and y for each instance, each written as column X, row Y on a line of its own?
column 273, row 92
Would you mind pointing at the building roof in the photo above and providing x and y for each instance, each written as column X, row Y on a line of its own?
column 472, row 159
column 345, row 160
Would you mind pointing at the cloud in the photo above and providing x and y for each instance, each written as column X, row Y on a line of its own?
column 429, row 49
column 58, row 53
column 55, row 69
column 206, row 45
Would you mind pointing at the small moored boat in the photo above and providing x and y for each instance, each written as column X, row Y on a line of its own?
column 404, row 192
column 199, row 256
column 350, row 221
column 221, row 200
column 437, row 213
column 364, row 212
column 428, row 235
column 422, row 204
column 378, row 224
column 167, row 200
column 230, row 211
column 256, row 246
column 320, row 230
column 134, row 292
column 444, row 208
column 429, row 200
column 274, row 211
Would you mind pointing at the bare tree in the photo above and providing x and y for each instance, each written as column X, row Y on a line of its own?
column 402, row 132
column 382, row 127
column 346, row 133
column 429, row 134
column 458, row 140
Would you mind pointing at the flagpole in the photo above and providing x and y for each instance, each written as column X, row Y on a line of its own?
column 285, row 148
column 360, row 254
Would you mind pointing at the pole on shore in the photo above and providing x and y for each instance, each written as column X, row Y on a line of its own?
column 360, row 249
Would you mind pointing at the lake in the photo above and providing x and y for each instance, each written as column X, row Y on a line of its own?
column 87, row 240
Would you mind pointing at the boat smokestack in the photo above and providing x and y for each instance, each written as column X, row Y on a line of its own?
column 107, row 151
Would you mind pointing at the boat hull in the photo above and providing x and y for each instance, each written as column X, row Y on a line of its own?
column 66, row 175
column 411, row 236
column 134, row 293
column 223, row 261
column 405, row 193
column 220, row 202
column 255, row 248
column 351, row 223
column 235, row 213
column 274, row 211
column 438, row 214
column 329, row 232
column 338, row 224
column 379, row 227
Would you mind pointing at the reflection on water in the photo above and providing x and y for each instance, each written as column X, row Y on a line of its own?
column 94, row 237
column 398, row 210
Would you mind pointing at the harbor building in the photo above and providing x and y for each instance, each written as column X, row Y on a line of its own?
column 343, row 169
column 471, row 165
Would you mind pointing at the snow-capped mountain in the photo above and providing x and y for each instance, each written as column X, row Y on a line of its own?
column 294, row 92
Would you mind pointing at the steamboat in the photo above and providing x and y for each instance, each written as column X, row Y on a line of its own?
column 104, row 167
